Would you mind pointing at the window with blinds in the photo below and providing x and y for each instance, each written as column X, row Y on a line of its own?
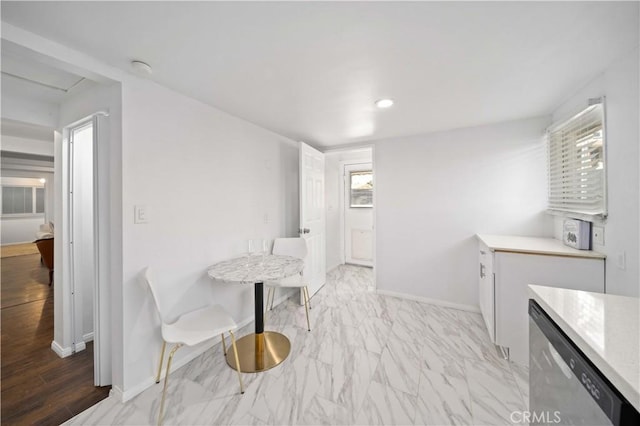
column 577, row 164
column 22, row 200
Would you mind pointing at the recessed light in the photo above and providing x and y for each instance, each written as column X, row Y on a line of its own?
column 384, row 103
column 141, row 67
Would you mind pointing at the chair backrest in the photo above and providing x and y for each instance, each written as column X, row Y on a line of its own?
column 155, row 292
column 294, row 247
column 45, row 247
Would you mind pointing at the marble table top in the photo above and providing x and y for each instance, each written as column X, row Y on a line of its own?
column 256, row 268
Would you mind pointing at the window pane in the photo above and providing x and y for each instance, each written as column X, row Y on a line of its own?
column 19, row 199
column 577, row 164
column 361, row 189
column 28, row 200
column 7, row 199
column 39, row 200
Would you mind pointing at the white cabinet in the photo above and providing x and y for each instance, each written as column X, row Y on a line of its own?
column 505, row 271
column 487, row 289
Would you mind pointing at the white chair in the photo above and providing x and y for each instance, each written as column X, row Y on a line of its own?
column 190, row 329
column 294, row 247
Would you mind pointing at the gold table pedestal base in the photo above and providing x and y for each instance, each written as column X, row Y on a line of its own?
column 259, row 352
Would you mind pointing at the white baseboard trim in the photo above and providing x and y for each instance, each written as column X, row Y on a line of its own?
column 17, row 243
column 60, row 351
column 80, row 346
column 88, row 337
column 278, row 300
column 116, row 392
column 124, row 396
column 332, row 267
column 459, row 306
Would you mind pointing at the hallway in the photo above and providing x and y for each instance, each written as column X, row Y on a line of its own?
column 37, row 385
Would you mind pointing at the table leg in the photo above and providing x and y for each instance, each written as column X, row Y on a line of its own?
column 259, row 307
column 261, row 350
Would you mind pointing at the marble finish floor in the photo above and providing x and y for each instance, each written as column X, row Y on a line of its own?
column 369, row 359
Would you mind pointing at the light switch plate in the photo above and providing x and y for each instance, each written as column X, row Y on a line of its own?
column 140, row 214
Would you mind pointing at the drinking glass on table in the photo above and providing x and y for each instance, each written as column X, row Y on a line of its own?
column 255, row 247
column 251, row 249
column 265, row 248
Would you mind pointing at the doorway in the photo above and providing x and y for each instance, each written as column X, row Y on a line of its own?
column 82, row 235
column 83, row 249
column 358, row 213
column 350, row 207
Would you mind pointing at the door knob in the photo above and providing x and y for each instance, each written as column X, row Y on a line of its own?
column 304, row 230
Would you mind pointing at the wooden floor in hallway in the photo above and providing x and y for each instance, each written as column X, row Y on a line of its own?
column 38, row 387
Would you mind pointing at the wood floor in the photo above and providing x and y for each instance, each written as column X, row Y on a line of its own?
column 38, row 387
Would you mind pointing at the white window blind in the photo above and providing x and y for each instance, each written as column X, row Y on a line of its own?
column 577, row 164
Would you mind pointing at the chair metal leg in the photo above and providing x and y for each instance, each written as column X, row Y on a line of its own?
column 235, row 354
column 164, row 345
column 224, row 345
column 166, row 382
column 305, row 293
column 272, row 290
column 266, row 307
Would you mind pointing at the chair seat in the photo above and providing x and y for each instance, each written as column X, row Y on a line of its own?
column 197, row 326
column 292, row 281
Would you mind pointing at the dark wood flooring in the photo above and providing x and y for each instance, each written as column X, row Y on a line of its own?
column 37, row 386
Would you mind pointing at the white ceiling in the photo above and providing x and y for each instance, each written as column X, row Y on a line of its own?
column 311, row 70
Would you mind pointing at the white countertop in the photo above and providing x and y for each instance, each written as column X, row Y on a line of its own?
column 533, row 245
column 605, row 327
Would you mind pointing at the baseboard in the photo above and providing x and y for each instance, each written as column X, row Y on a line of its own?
column 116, row 392
column 332, row 267
column 364, row 265
column 459, row 306
column 124, row 396
column 60, row 351
column 80, row 346
column 17, row 243
column 278, row 300
column 88, row 337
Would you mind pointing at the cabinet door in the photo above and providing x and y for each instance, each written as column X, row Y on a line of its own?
column 515, row 271
column 486, row 290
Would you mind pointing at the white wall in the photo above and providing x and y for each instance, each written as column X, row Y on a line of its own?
column 619, row 83
column 207, row 179
column 334, row 202
column 27, row 145
column 20, row 229
column 29, row 110
column 435, row 192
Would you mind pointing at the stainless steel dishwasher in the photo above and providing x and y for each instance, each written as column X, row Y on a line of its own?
column 565, row 388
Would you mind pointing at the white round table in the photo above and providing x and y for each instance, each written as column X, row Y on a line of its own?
column 260, row 350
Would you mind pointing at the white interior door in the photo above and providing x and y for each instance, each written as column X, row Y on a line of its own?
column 358, row 214
column 312, row 215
